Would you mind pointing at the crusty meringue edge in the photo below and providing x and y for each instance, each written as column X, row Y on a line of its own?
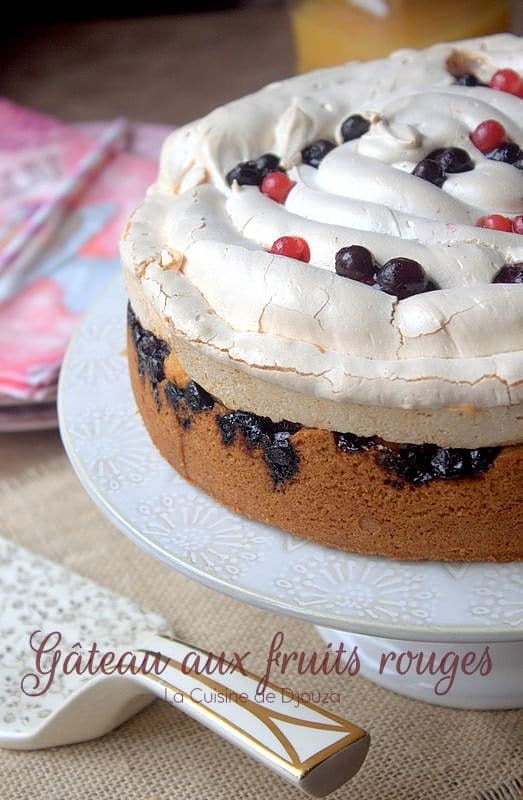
column 255, row 388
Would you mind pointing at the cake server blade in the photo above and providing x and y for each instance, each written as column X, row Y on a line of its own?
column 56, row 628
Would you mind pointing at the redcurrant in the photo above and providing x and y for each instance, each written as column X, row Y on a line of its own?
column 292, row 247
column 488, row 135
column 507, row 80
column 496, row 222
column 277, row 186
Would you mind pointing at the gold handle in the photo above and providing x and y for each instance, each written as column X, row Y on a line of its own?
column 313, row 748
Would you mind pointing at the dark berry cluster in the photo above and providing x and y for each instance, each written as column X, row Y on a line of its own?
column 193, row 397
column 151, row 352
column 438, row 164
column 350, row 443
column 252, row 173
column 351, row 128
column 401, row 277
column 273, row 438
column 189, row 400
column 420, row 463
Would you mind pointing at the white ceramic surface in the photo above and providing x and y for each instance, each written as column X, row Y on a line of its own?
column 120, row 468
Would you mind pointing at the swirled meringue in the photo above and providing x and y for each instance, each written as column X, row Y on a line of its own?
column 445, row 366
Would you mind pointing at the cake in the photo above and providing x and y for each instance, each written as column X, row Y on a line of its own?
column 325, row 324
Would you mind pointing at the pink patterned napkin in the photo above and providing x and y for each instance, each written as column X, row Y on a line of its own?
column 47, row 285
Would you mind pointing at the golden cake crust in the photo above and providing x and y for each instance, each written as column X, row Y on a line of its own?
column 339, row 499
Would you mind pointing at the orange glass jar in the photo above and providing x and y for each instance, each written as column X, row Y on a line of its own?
column 329, row 32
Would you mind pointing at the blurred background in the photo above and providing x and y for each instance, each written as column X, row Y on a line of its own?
column 180, row 59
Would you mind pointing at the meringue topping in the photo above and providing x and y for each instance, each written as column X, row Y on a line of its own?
column 302, row 326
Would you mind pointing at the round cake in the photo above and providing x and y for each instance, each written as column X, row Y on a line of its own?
column 325, row 325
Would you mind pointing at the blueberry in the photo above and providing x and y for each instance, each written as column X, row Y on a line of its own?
column 174, row 395
column 449, row 462
column 197, row 398
column 282, row 460
column 518, row 164
column 356, row 262
column 402, row 277
column 227, row 426
column 252, row 428
column 283, row 427
column 314, row 153
column 510, row 273
column 350, row 443
column 252, row 172
column 452, row 159
column 266, row 163
column 467, row 80
column 482, row 458
column 187, row 401
column 431, row 171
column 509, row 153
column 354, row 127
column 273, row 438
column 246, row 174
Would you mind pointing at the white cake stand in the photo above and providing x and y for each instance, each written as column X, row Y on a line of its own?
column 382, row 606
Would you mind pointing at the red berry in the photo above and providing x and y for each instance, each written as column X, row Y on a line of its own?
column 507, row 80
column 496, row 222
column 277, row 186
column 488, row 135
column 517, row 224
column 292, row 247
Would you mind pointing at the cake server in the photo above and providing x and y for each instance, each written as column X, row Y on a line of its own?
column 57, row 627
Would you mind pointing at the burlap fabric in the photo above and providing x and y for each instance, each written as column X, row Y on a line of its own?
column 418, row 751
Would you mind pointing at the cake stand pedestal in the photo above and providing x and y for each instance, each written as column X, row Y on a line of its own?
column 441, row 673
column 382, row 606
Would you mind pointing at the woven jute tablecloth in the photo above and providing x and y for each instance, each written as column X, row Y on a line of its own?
column 418, row 751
